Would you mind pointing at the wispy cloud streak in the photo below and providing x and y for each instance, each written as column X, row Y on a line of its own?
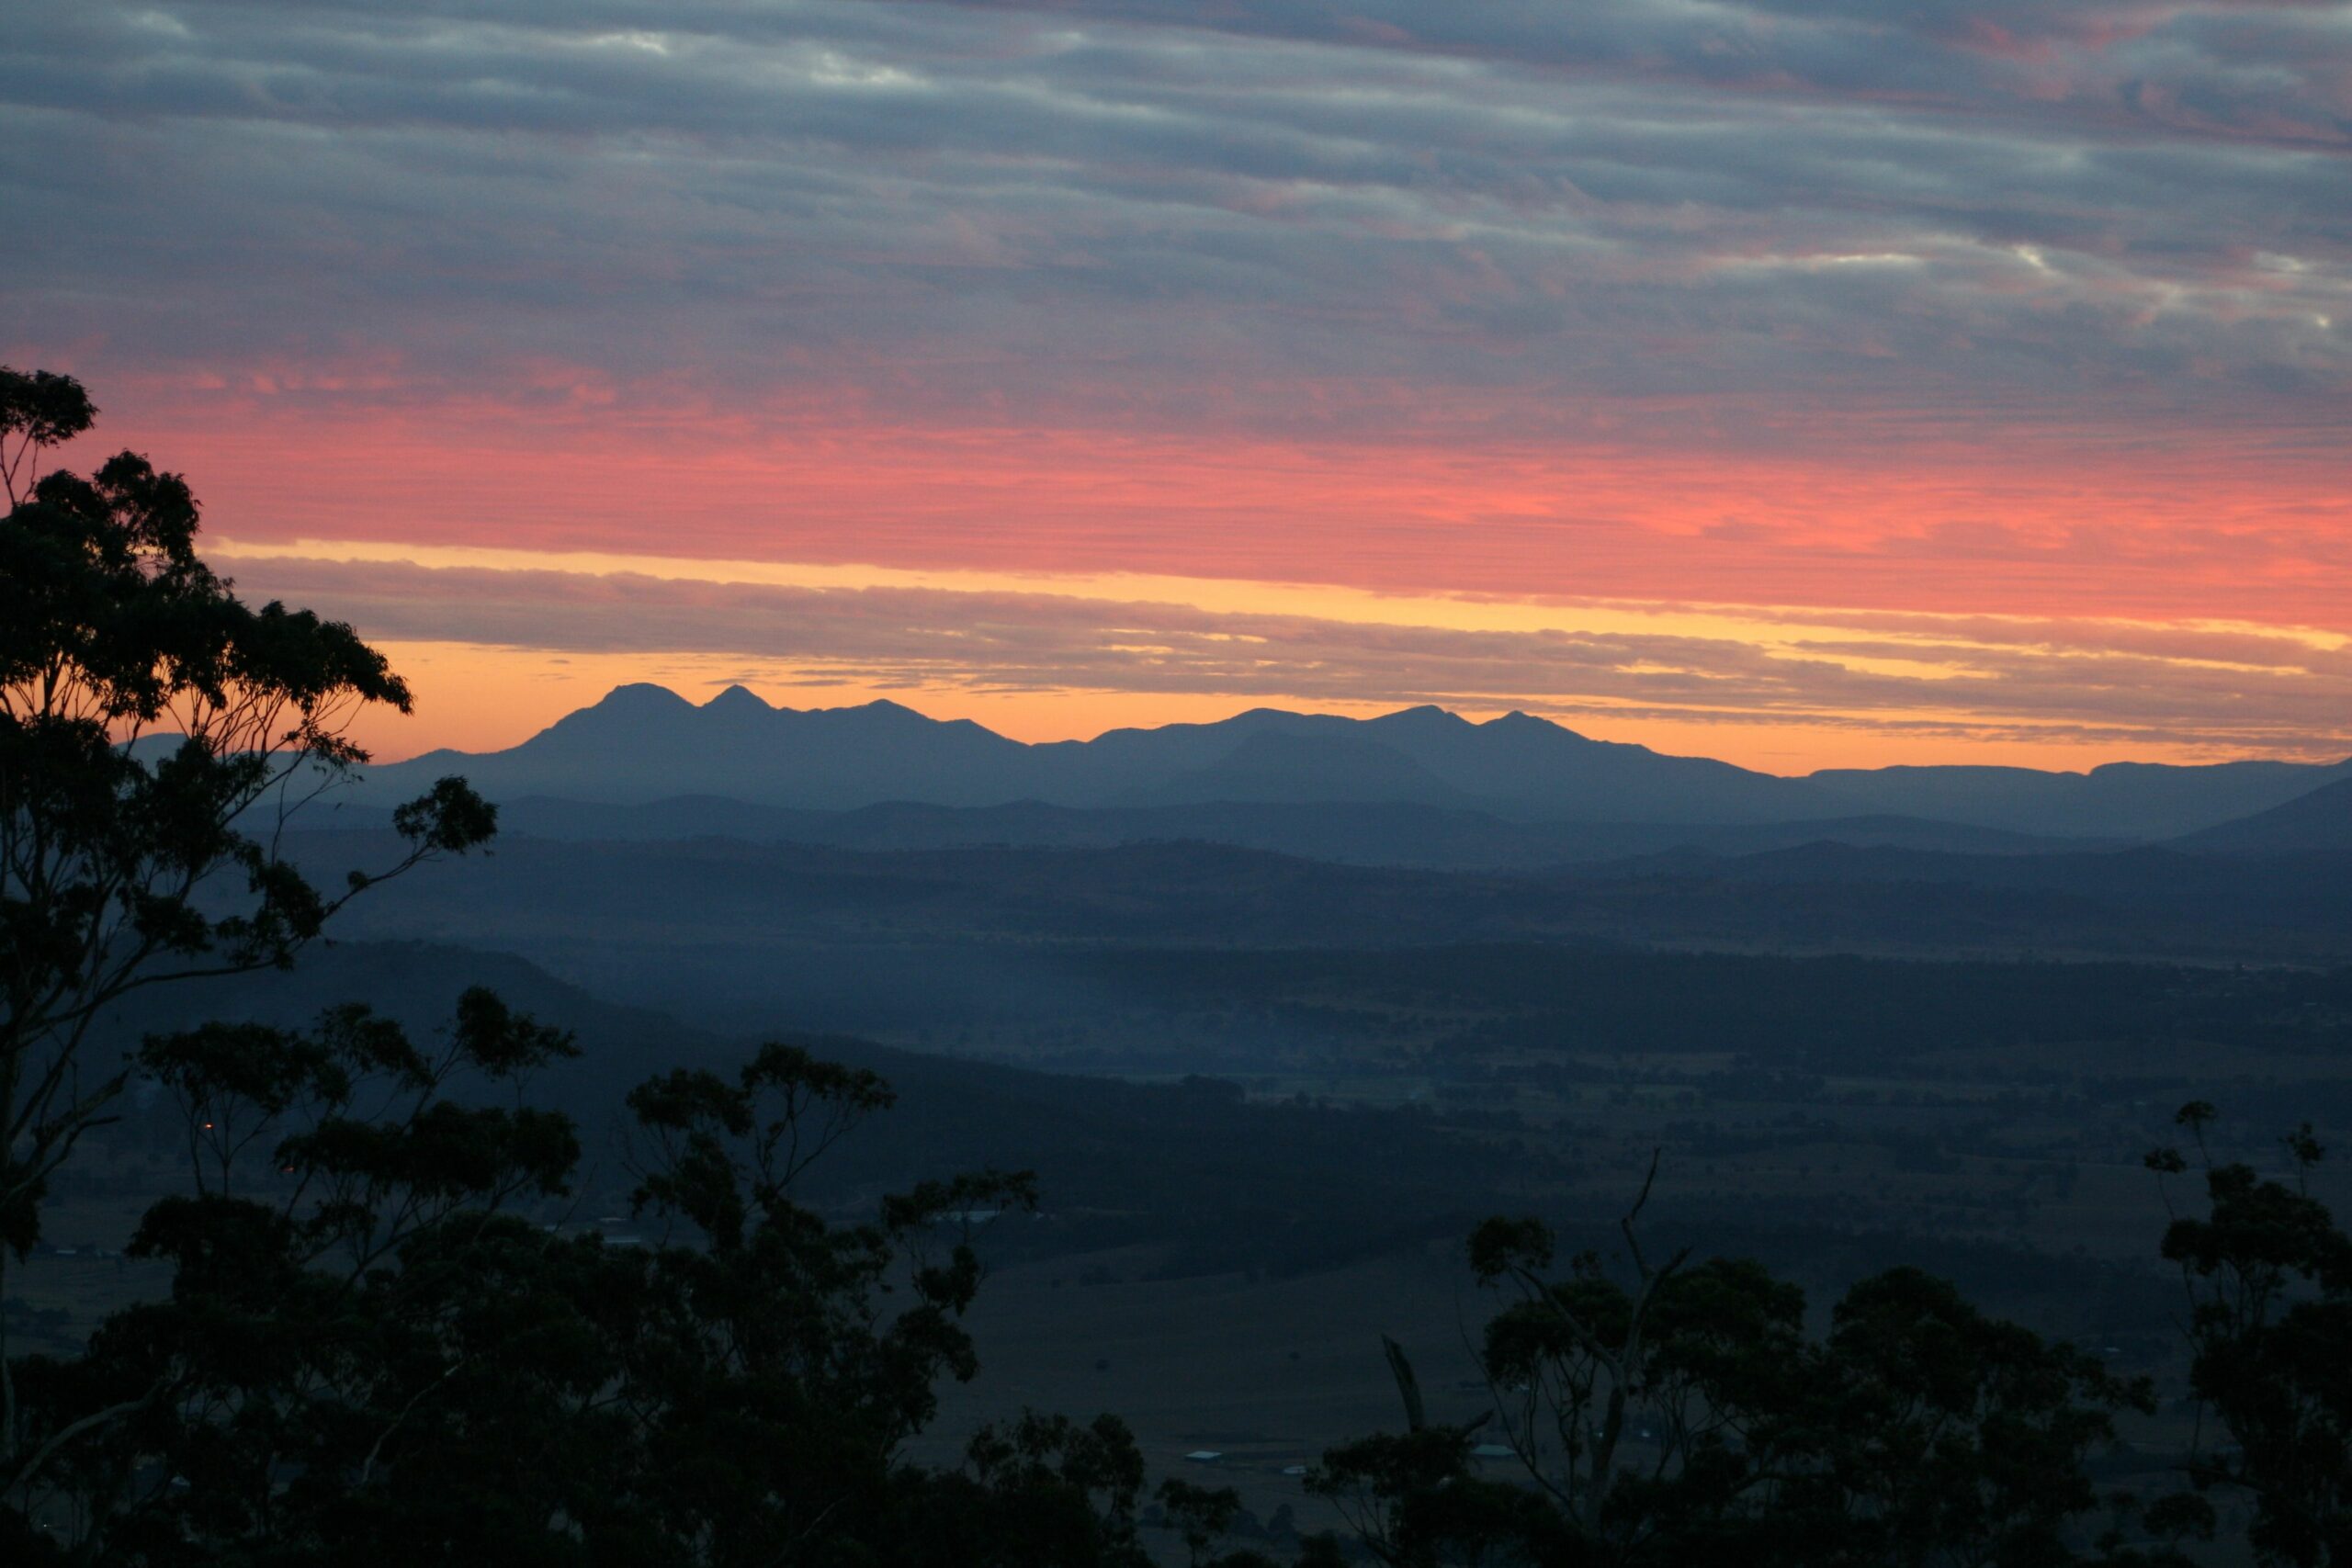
column 2225, row 690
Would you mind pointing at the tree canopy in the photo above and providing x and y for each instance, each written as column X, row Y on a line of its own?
column 156, row 734
column 1671, row 1412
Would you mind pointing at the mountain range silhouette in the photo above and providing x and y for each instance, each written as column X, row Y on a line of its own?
column 645, row 744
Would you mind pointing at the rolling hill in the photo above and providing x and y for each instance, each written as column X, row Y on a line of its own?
column 2320, row 820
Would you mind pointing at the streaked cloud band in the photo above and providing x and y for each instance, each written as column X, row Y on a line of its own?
column 2221, row 690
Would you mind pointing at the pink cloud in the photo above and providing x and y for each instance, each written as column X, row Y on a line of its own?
column 2056, row 524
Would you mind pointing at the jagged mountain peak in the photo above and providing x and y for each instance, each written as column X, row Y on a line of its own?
column 1523, row 729
column 738, row 699
column 1427, row 719
column 637, row 697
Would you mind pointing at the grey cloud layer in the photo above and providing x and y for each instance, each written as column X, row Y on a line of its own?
column 2233, row 692
column 1754, row 221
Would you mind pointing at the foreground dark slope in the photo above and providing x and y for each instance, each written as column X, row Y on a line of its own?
column 1189, row 1166
column 1204, row 1179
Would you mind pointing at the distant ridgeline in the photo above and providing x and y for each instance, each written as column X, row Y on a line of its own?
column 1421, row 786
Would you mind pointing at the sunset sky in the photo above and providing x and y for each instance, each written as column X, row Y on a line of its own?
column 1808, row 382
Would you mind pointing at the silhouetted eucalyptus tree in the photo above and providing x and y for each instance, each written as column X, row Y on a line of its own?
column 155, row 735
column 39, row 409
column 1674, row 1412
column 2268, row 1272
column 367, row 1359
